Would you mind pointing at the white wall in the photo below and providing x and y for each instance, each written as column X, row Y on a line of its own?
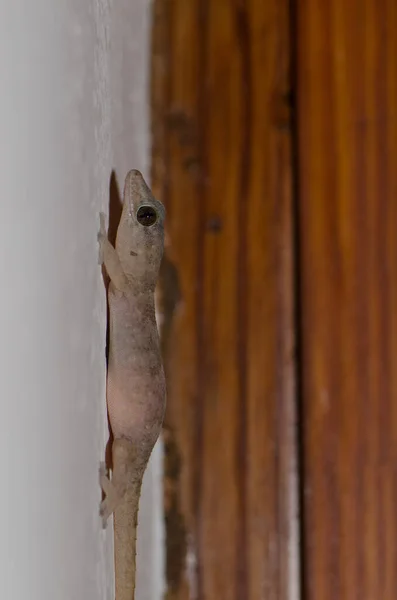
column 73, row 106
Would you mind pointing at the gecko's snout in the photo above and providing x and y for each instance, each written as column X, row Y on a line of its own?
column 135, row 174
column 135, row 180
column 136, row 189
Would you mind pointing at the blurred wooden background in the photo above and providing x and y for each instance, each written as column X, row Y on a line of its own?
column 275, row 152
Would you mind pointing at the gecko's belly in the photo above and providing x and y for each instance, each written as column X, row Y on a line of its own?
column 136, row 383
column 136, row 401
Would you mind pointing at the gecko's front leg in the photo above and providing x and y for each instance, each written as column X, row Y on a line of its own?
column 109, row 257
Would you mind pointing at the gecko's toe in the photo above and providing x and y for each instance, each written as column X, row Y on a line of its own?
column 104, row 512
column 100, row 253
column 102, row 237
column 102, row 224
column 104, row 481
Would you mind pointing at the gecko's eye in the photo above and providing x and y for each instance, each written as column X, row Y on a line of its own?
column 146, row 216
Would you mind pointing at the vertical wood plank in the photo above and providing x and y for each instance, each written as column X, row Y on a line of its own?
column 222, row 164
column 347, row 80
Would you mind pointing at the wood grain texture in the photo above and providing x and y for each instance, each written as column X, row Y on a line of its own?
column 222, row 165
column 347, row 83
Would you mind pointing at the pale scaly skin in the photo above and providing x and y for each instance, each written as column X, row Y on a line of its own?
column 135, row 385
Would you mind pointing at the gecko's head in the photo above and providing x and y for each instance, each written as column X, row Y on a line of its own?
column 140, row 235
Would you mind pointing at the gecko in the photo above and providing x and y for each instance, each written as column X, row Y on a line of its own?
column 136, row 390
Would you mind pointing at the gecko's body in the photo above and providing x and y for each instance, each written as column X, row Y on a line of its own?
column 135, row 384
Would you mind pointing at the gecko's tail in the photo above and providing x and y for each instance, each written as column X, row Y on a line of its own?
column 127, row 479
column 125, row 528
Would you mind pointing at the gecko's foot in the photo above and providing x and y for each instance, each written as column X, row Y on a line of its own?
column 102, row 237
column 114, row 496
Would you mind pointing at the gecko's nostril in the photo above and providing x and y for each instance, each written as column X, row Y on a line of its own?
column 146, row 215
